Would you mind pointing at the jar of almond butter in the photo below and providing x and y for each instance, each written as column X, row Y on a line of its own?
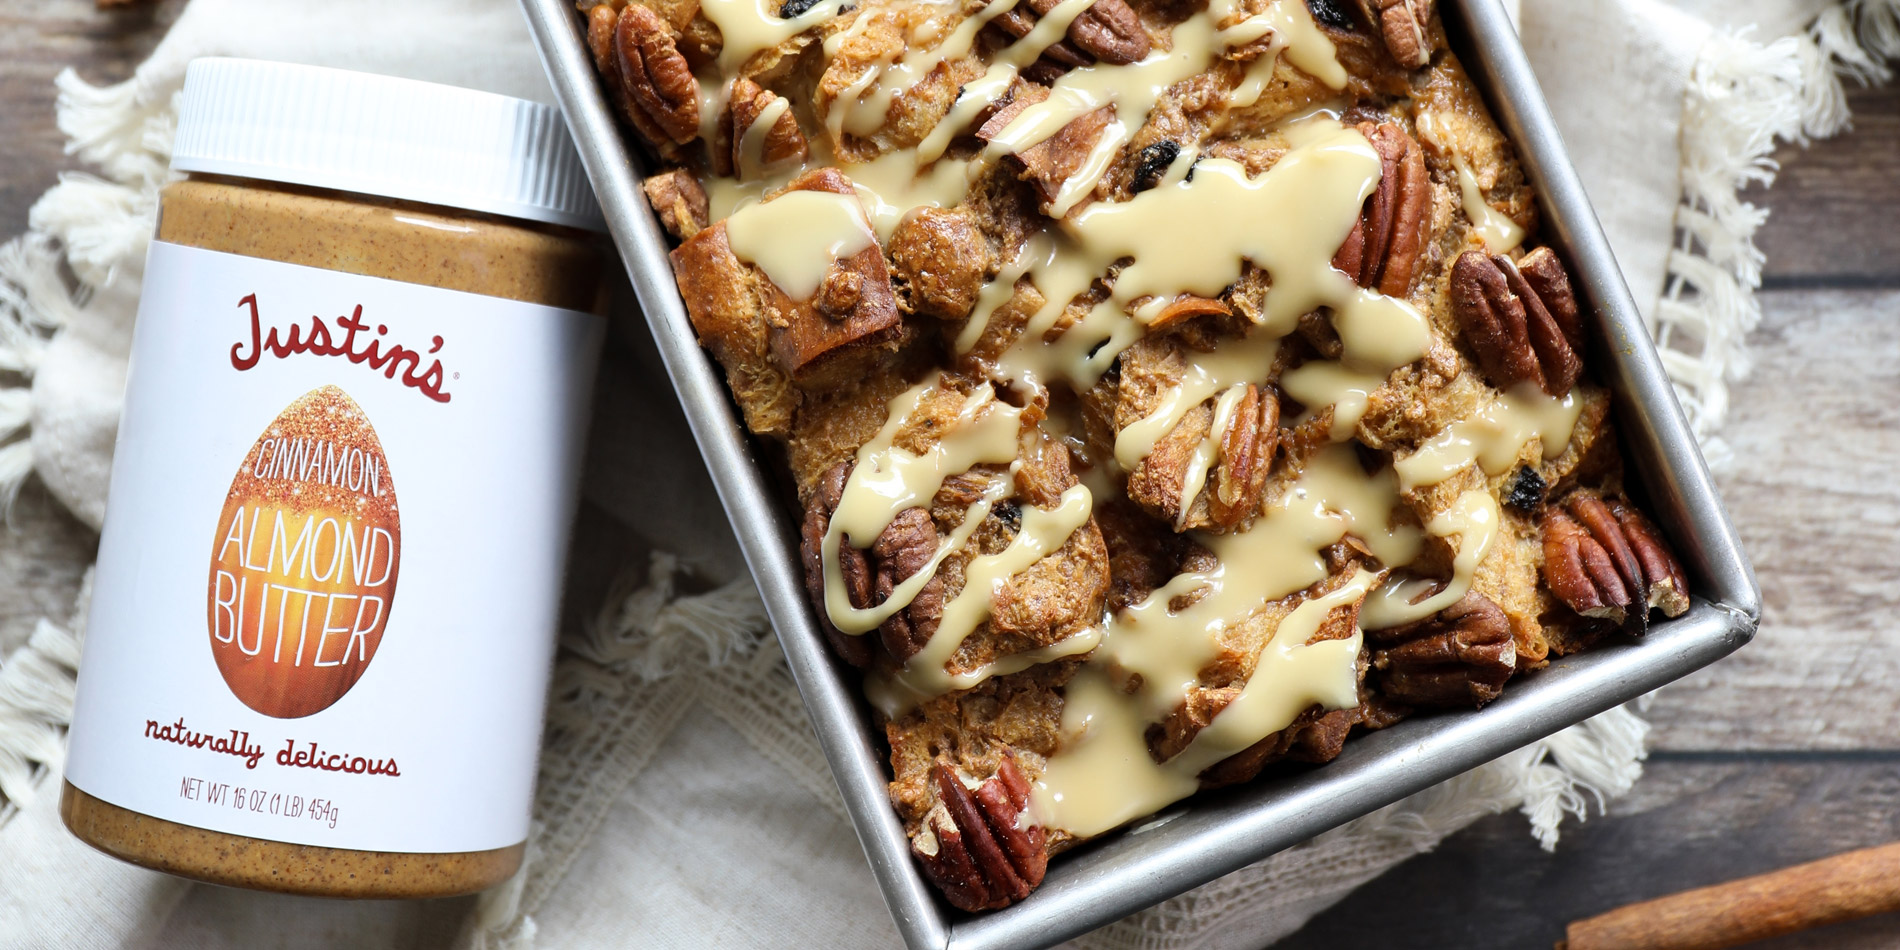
column 324, row 614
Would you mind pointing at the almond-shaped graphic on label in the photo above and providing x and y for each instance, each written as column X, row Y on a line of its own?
column 303, row 567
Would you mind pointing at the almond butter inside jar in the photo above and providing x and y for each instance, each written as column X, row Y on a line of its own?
column 360, row 282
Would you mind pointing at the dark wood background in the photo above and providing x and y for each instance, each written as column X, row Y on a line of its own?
column 1786, row 752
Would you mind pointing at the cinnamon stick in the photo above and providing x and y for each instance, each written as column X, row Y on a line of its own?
column 1827, row 891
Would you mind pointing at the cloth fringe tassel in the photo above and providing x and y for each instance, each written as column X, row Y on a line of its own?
column 37, row 683
column 36, row 703
column 498, row 923
column 34, row 302
column 1595, row 760
column 647, row 629
column 97, row 228
column 1742, row 98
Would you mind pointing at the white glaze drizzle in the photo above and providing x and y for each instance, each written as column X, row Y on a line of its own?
column 891, row 187
column 1104, row 775
column 1494, row 227
column 1184, row 237
column 1133, row 89
column 866, row 110
column 1193, row 236
column 1474, row 520
column 747, row 27
column 1207, row 452
column 1494, row 435
column 926, row 674
column 828, row 227
column 888, row 479
column 1235, row 364
column 1294, row 34
column 1499, row 232
column 751, row 150
column 1321, row 182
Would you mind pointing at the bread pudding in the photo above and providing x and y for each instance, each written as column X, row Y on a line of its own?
column 1172, row 388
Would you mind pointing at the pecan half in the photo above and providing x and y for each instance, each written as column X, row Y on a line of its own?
column 1058, row 58
column 905, row 548
column 1550, row 284
column 939, row 259
column 1108, row 31
column 972, row 845
column 1404, row 24
column 1382, row 251
column 601, row 18
column 1512, row 328
column 1604, row 559
column 1247, row 449
column 601, row 22
column 678, row 199
column 1315, row 737
column 1242, row 445
column 739, row 152
column 871, row 574
column 656, row 87
column 1460, row 656
column 852, row 564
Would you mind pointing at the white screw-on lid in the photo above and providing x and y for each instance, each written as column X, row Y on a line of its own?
column 379, row 135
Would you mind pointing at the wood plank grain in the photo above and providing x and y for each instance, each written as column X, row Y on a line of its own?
column 44, row 551
column 38, row 38
column 43, row 554
column 1834, row 203
column 1816, row 434
column 1693, row 821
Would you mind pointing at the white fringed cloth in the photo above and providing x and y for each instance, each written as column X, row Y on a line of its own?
column 683, row 800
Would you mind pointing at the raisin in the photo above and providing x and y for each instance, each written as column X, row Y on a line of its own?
column 1010, row 513
column 1329, row 13
column 1526, row 491
column 793, row 8
column 1152, row 163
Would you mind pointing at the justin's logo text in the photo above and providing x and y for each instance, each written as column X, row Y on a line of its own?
column 318, row 339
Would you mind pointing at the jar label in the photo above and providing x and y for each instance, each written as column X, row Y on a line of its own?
column 278, row 647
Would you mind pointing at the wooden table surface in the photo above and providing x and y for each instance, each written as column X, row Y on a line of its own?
column 1786, row 752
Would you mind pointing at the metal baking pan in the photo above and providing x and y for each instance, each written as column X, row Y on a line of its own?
column 1213, row 833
